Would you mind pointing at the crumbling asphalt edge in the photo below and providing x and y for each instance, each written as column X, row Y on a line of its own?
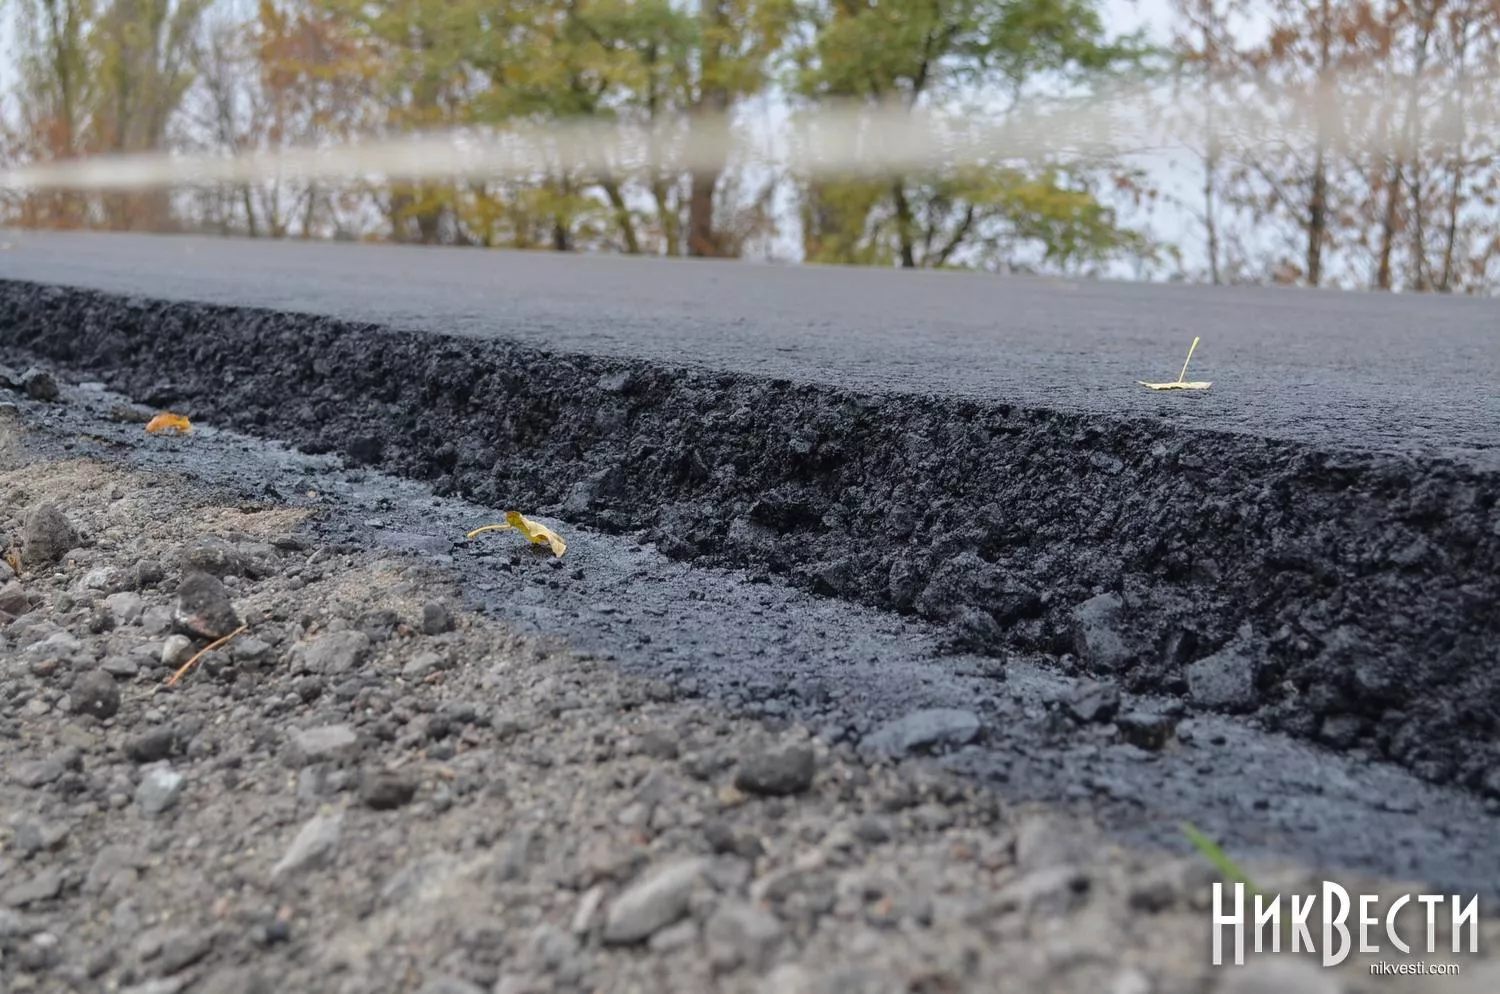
column 1348, row 597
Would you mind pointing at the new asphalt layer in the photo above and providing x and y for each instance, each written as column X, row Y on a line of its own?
column 1366, row 371
column 1311, row 547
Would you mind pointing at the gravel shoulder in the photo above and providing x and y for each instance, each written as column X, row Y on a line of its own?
column 371, row 788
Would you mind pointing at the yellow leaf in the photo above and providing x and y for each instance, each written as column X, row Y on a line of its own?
column 535, row 532
column 175, row 424
column 1182, row 382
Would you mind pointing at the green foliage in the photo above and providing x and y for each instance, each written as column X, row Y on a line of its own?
column 933, row 53
column 119, row 71
column 1216, row 855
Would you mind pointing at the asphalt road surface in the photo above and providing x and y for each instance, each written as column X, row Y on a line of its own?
column 1365, row 371
column 994, row 556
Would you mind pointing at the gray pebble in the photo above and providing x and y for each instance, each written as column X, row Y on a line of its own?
column 96, row 693
column 658, row 898
column 436, row 618
column 1094, row 702
column 160, row 789
column 932, row 728
column 328, row 743
column 777, row 772
column 314, row 846
column 740, row 934
column 47, row 535
column 1223, row 681
column 152, row 745
column 44, row 886
column 40, row 385
column 335, row 653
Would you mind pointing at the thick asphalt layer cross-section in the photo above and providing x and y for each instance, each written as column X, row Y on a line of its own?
column 1314, row 543
column 1358, row 370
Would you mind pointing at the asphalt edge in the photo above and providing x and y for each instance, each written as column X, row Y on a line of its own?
column 1349, row 598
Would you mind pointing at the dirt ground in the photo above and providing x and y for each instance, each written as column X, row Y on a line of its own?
column 367, row 789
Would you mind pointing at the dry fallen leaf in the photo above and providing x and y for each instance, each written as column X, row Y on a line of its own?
column 174, row 424
column 535, row 532
column 1182, row 382
column 1179, row 385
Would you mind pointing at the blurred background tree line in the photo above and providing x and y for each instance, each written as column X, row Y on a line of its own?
column 225, row 76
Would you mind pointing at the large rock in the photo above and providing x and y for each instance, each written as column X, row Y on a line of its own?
column 203, row 607
column 47, row 535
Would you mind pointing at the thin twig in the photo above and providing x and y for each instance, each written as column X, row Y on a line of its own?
column 215, row 644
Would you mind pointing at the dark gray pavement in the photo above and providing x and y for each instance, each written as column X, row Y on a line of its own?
column 1334, row 369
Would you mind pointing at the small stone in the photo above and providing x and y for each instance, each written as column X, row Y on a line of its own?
column 13, row 598
column 126, row 607
column 249, row 649
column 655, row 744
column 420, row 665
column 328, row 743
column 131, row 413
column 788, row 978
column 674, row 937
column 98, row 578
column 96, row 694
column 436, row 618
column 176, row 650
column 386, row 791
column 1097, row 637
column 1094, row 702
column 47, row 535
column 777, row 772
column 364, row 450
column 929, row 729
column 204, row 608
column 33, row 773
column 183, row 948
column 215, row 557
column 40, row 385
column 658, row 898
column 151, row 746
column 157, row 619
column 43, row 887
column 1223, row 681
column 588, row 907
column 314, row 846
column 235, row 980
column 160, row 789
column 1146, row 730
column 15, row 925
column 740, row 934
column 112, row 864
column 32, row 837
column 334, row 654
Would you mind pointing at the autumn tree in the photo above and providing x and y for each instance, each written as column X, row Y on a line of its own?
column 1352, row 142
column 941, row 53
column 51, row 96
